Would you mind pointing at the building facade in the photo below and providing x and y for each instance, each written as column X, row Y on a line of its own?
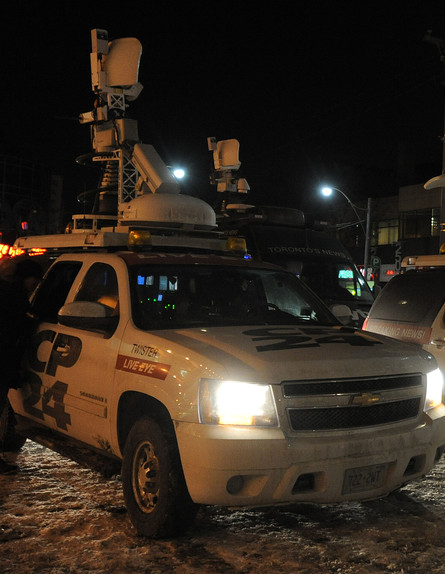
column 401, row 225
column 30, row 199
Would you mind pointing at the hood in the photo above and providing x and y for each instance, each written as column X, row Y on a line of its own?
column 276, row 353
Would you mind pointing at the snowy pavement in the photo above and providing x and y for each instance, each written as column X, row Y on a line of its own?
column 58, row 517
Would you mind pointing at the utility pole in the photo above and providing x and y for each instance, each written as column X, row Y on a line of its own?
column 367, row 238
column 439, row 181
column 326, row 191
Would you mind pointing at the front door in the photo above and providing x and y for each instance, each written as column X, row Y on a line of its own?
column 71, row 370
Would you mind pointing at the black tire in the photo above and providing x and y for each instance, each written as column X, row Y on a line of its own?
column 155, row 492
column 12, row 441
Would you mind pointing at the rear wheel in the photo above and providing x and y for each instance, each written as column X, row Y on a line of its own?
column 155, row 492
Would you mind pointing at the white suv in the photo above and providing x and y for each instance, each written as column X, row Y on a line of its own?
column 218, row 380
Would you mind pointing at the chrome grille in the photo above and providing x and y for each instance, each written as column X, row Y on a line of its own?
column 323, row 405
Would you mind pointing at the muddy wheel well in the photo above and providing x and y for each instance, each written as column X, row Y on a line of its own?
column 133, row 406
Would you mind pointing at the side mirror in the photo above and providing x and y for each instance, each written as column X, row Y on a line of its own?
column 87, row 315
column 342, row 312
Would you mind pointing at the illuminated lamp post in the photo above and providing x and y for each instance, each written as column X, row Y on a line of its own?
column 327, row 191
column 178, row 172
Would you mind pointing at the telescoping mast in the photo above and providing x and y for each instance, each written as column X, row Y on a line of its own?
column 138, row 199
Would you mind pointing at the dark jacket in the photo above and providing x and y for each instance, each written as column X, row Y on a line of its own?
column 15, row 327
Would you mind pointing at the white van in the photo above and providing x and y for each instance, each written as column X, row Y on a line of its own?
column 411, row 308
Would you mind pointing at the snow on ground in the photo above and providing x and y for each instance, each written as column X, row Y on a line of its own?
column 58, row 517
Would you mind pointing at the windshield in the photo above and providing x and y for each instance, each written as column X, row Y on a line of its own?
column 414, row 297
column 332, row 280
column 317, row 258
column 170, row 297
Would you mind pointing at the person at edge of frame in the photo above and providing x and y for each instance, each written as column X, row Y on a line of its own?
column 18, row 279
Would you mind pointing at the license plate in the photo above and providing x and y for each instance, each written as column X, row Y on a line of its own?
column 364, row 478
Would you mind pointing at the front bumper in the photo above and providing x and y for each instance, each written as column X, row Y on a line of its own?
column 236, row 466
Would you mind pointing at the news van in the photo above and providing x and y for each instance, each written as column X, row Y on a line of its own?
column 284, row 236
column 281, row 236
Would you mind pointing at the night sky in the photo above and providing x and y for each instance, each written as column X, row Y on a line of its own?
column 346, row 93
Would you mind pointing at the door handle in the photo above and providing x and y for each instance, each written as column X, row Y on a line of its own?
column 63, row 349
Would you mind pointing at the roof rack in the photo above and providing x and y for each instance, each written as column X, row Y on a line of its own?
column 134, row 238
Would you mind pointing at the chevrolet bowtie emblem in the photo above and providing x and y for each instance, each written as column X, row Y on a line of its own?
column 365, row 399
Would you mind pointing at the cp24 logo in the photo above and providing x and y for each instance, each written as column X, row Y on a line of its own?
column 65, row 351
column 285, row 339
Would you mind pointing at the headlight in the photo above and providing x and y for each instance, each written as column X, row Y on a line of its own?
column 434, row 389
column 236, row 403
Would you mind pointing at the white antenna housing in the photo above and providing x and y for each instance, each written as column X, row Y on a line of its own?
column 153, row 170
column 226, row 162
column 169, row 210
column 121, row 64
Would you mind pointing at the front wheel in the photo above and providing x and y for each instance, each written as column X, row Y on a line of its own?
column 155, row 492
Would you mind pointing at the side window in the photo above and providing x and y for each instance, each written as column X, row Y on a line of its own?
column 100, row 286
column 53, row 291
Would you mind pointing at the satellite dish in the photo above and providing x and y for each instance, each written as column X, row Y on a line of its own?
column 435, row 182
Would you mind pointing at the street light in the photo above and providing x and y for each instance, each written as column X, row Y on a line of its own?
column 179, row 173
column 327, row 191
